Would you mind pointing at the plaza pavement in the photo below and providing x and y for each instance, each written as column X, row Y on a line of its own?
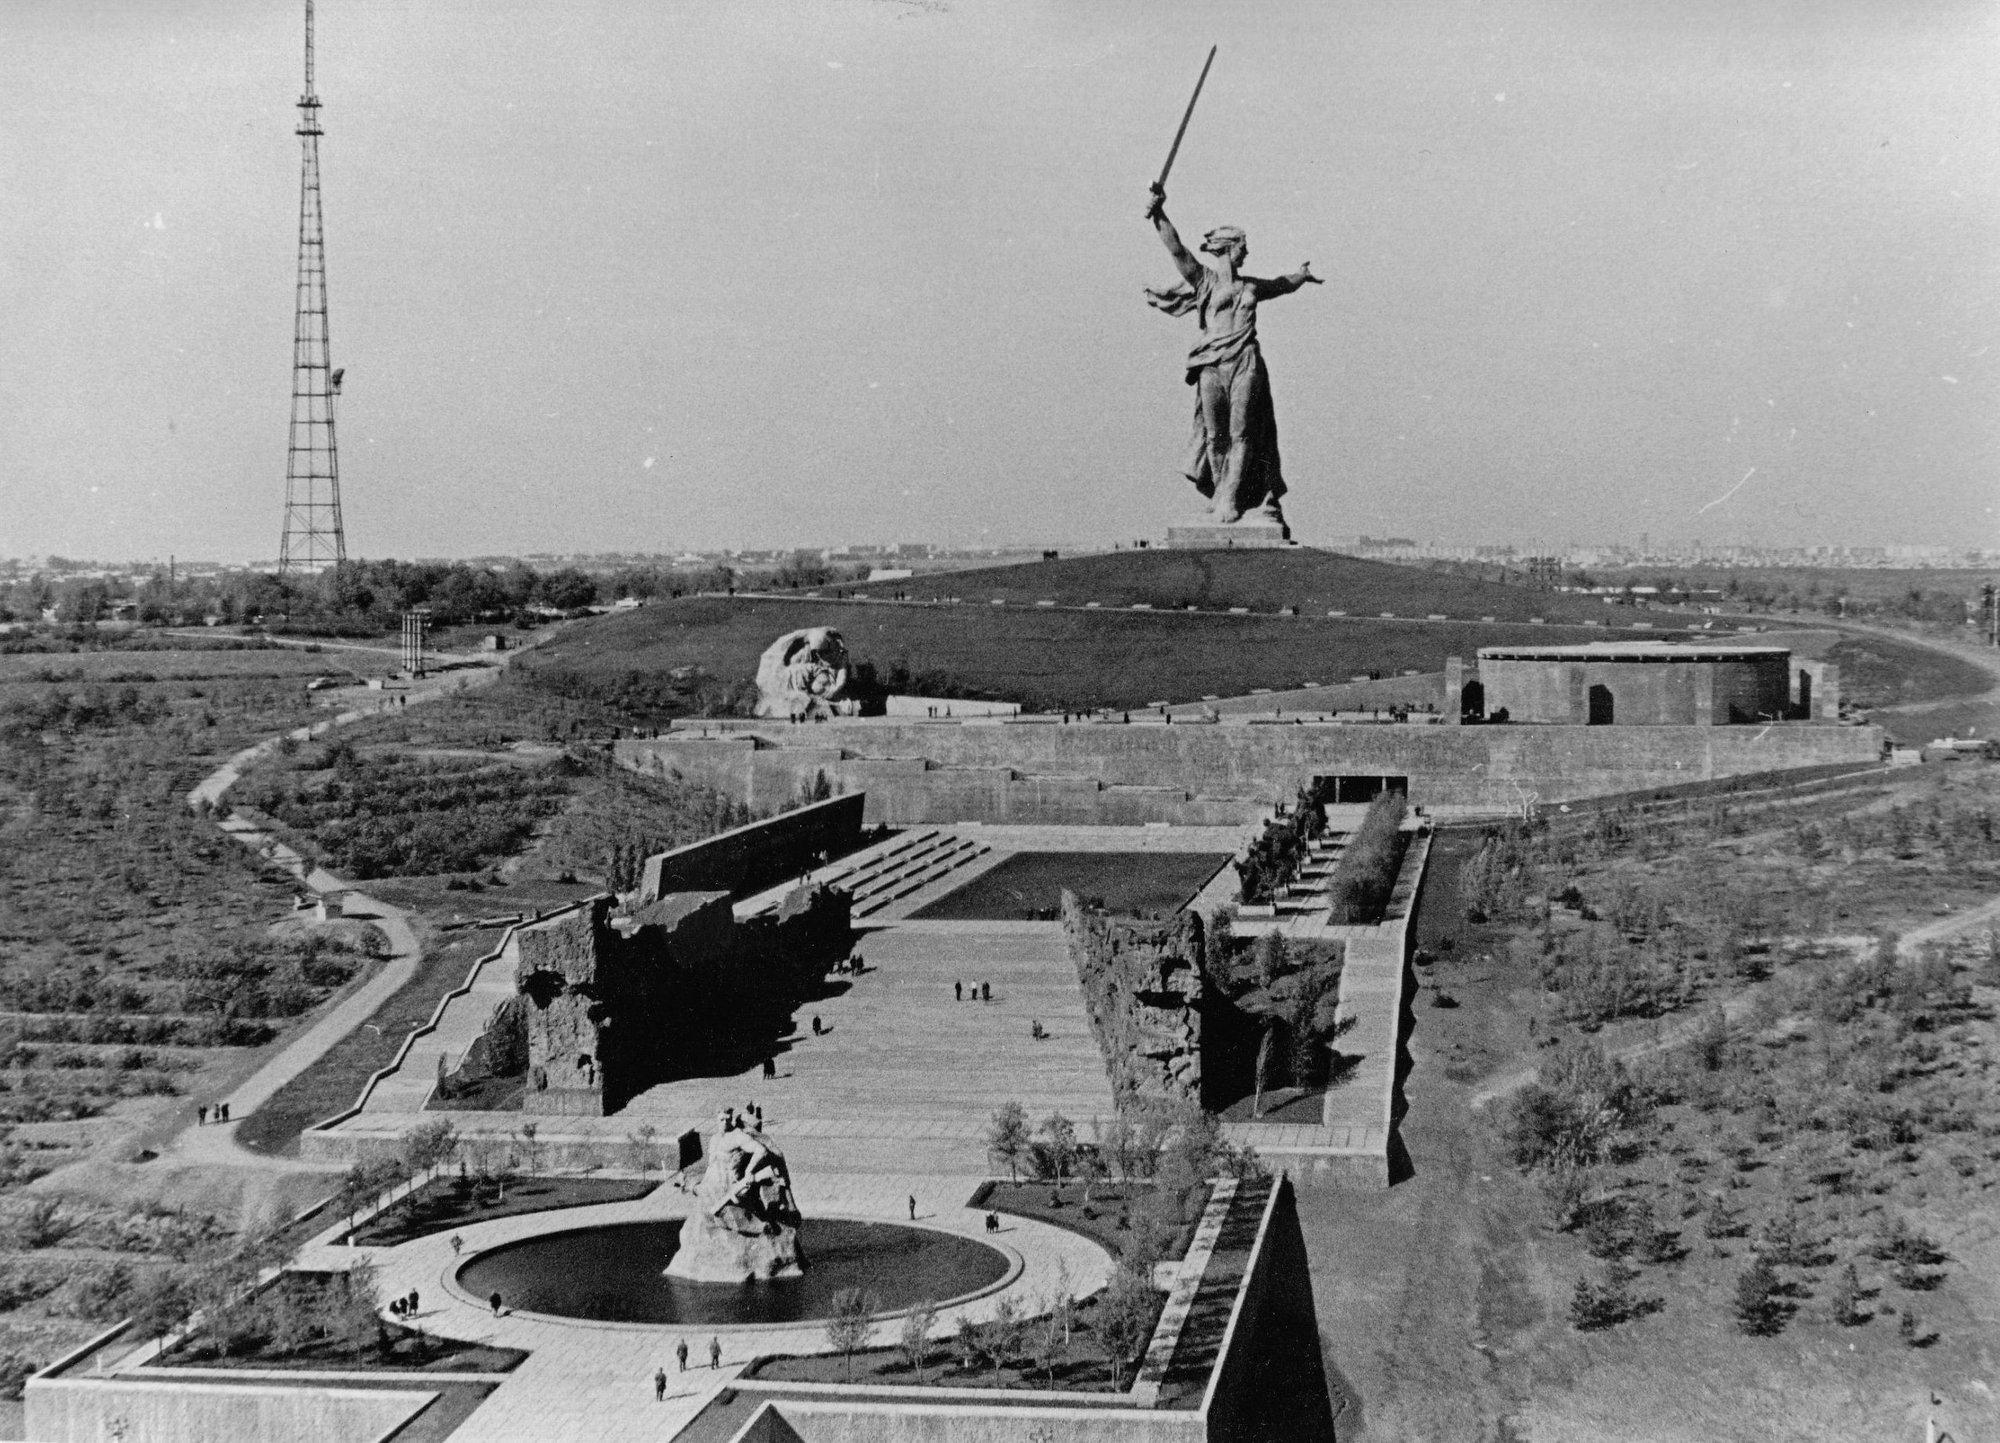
column 587, row 1382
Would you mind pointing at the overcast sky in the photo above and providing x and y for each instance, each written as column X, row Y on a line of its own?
column 635, row 275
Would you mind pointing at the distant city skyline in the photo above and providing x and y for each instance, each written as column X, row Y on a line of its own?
column 687, row 277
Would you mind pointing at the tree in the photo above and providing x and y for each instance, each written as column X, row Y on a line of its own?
column 1273, row 958
column 358, row 1319
column 1761, row 1308
column 1117, row 1144
column 1055, row 1150
column 1008, row 1138
column 429, row 1146
column 848, row 1326
column 1217, row 944
column 531, row 1150
column 1125, row 1320
column 163, row 1304
column 642, row 1155
column 1846, row 1300
column 1049, row 1334
column 915, row 1342
column 1090, row 1168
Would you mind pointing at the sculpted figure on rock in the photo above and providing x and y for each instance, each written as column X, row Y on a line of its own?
column 803, row 676
column 746, row 1222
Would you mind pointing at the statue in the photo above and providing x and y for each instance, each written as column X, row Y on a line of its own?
column 745, row 1225
column 1233, row 456
column 803, row 676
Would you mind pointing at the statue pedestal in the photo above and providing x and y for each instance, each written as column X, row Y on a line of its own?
column 1249, row 534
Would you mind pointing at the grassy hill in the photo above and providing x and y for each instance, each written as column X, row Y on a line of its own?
column 1046, row 658
column 1313, row 582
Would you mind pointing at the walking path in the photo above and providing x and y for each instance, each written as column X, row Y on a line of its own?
column 217, row 1142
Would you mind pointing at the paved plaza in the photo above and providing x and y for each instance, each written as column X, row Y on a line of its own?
column 594, row 1381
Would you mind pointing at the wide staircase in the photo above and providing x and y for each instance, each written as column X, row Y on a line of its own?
column 902, row 867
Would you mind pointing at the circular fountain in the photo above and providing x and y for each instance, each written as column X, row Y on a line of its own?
column 611, row 1274
column 746, row 1258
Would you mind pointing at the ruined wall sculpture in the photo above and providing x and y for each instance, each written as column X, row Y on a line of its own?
column 1144, row 989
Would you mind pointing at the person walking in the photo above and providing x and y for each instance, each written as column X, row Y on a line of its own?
column 714, row 1352
column 958, row 991
column 986, row 991
column 913, row 1208
column 659, row 1385
column 681, row 1352
column 201, row 1114
column 495, row 1301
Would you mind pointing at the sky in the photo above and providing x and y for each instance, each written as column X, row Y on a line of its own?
column 634, row 275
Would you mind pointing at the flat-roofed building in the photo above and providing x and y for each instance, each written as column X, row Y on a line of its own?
column 1650, row 683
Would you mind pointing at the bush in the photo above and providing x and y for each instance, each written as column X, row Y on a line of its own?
column 1761, row 1308
column 1595, row 1306
column 1365, row 877
column 15, row 1369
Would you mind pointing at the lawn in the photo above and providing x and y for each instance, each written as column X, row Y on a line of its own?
column 309, row 1320
column 1309, row 580
column 1030, row 885
column 446, row 1203
column 334, row 1082
column 1106, row 1220
column 1046, row 659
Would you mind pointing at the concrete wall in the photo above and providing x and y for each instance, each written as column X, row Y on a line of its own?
column 1271, row 1380
column 1645, row 693
column 86, row 1410
column 828, row 1421
column 749, row 859
column 936, row 772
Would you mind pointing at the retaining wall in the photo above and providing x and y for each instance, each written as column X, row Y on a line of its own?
column 1216, row 772
column 748, row 859
column 90, row 1410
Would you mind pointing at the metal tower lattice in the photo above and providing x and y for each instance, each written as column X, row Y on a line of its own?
column 314, row 537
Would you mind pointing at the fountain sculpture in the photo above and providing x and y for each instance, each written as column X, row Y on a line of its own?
column 745, row 1226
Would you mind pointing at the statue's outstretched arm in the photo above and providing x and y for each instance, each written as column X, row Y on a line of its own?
column 1285, row 285
column 1156, row 212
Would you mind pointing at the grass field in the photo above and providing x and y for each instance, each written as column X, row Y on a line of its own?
column 1088, row 646
column 1046, row 659
column 1031, row 884
column 1312, row 582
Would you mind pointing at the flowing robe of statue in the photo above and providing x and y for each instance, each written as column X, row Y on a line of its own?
column 1232, row 456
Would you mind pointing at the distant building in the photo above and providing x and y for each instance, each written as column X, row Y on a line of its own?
column 1642, row 683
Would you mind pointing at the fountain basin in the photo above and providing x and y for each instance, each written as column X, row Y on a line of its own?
column 611, row 1273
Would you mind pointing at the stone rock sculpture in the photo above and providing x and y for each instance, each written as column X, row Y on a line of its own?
column 803, row 676
column 746, row 1224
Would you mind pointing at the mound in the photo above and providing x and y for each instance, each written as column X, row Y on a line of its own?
column 1313, row 582
column 1048, row 659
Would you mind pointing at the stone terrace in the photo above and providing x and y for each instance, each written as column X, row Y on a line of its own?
column 905, row 1077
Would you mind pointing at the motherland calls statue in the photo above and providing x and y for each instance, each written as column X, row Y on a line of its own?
column 745, row 1225
column 803, row 676
column 1233, row 456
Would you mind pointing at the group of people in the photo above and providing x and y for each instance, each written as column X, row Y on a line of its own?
column 681, row 1356
column 206, row 1112
column 976, row 991
column 750, row 1119
column 405, row 1306
column 850, row 966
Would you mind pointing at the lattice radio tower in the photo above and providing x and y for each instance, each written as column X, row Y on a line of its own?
column 314, row 537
